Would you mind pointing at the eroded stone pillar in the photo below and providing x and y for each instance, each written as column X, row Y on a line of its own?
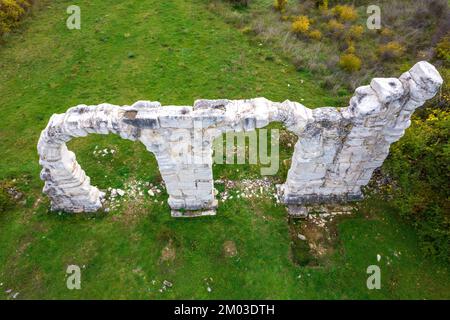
column 339, row 150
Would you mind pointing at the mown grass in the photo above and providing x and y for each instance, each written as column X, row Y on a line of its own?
column 174, row 52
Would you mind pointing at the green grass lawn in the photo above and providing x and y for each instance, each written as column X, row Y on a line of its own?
column 174, row 52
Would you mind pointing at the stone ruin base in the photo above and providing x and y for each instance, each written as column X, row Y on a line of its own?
column 321, row 210
column 192, row 213
column 316, row 199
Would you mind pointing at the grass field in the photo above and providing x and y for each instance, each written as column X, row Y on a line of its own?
column 174, row 52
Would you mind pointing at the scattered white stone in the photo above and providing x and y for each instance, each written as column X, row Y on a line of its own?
column 167, row 283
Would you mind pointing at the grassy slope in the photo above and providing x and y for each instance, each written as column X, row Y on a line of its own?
column 181, row 53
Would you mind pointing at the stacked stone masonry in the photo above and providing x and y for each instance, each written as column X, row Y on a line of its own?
column 337, row 151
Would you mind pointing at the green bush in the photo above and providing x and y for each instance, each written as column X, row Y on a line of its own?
column 443, row 49
column 420, row 165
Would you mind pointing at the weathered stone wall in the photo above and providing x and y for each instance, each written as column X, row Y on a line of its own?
column 335, row 155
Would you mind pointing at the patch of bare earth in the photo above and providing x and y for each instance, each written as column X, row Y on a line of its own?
column 229, row 249
column 133, row 211
column 168, row 253
column 314, row 238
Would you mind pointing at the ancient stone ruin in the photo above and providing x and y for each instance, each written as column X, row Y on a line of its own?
column 336, row 153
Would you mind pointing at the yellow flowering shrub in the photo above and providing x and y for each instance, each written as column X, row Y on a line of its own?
column 355, row 32
column 386, row 32
column 315, row 34
column 335, row 27
column 11, row 11
column 300, row 25
column 391, row 50
column 350, row 62
column 345, row 13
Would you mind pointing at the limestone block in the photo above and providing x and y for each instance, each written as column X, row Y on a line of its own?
column 427, row 81
column 387, row 89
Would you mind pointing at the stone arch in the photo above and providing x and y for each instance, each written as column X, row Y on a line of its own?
column 336, row 153
column 66, row 183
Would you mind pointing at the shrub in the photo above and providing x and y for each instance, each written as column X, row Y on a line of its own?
column 335, row 27
column 386, row 32
column 280, row 5
column 443, row 100
column 345, row 12
column 391, row 50
column 323, row 5
column 350, row 62
column 301, row 24
column 443, row 49
column 315, row 34
column 350, row 47
column 419, row 165
column 355, row 32
column 11, row 11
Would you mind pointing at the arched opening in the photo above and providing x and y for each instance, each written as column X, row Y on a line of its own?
column 249, row 165
column 125, row 170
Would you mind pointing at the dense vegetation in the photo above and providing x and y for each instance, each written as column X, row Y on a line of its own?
column 175, row 52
